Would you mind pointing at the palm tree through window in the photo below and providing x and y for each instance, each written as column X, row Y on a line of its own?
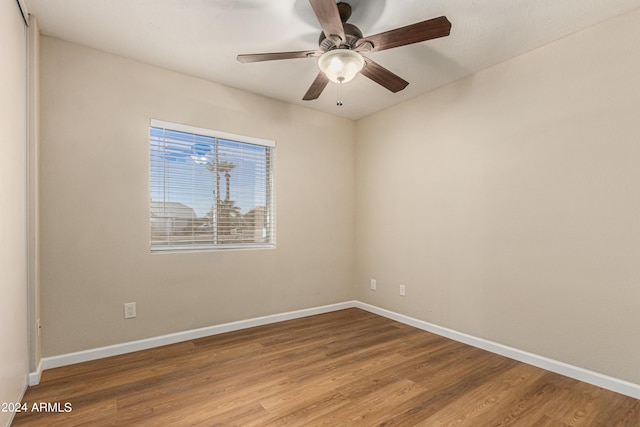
column 189, row 210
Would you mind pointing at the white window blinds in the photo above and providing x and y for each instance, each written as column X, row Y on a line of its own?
column 209, row 190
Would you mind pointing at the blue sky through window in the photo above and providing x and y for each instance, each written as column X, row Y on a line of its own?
column 183, row 164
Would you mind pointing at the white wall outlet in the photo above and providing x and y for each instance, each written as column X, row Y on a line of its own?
column 402, row 290
column 373, row 284
column 130, row 310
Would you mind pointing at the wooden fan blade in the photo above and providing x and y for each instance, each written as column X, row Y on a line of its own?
column 383, row 77
column 317, row 87
column 257, row 57
column 329, row 17
column 415, row 33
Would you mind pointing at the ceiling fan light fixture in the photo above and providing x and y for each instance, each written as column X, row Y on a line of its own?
column 341, row 65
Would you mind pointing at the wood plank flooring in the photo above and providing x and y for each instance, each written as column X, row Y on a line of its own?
column 348, row 367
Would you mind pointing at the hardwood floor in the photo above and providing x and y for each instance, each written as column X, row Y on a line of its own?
column 348, row 367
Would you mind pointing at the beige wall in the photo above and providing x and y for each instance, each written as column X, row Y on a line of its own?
column 508, row 203
column 13, row 280
column 94, row 205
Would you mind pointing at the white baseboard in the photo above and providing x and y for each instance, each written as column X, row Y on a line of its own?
column 595, row 378
column 34, row 377
column 129, row 347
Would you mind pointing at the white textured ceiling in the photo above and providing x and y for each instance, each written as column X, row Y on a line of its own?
column 203, row 37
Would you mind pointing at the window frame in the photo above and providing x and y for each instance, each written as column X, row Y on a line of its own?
column 269, row 189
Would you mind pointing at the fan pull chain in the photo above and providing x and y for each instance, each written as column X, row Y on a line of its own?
column 339, row 93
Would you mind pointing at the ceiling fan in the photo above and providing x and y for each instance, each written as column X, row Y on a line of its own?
column 341, row 45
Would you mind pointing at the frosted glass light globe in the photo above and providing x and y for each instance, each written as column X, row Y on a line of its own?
column 341, row 65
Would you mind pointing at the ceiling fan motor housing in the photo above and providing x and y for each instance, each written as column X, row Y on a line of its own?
column 352, row 34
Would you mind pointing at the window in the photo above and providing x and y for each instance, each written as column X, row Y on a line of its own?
column 209, row 190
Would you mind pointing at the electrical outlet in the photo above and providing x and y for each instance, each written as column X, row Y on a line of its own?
column 402, row 290
column 373, row 284
column 130, row 310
